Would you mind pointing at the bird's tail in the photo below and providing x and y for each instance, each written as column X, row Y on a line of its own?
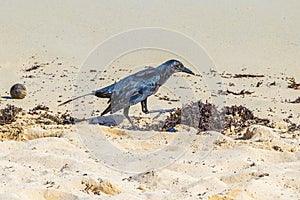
column 75, row 98
column 105, row 92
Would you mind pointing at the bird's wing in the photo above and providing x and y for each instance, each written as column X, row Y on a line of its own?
column 134, row 89
column 143, row 92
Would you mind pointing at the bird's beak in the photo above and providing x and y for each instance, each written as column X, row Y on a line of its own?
column 186, row 70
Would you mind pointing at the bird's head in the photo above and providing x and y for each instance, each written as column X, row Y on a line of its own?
column 177, row 66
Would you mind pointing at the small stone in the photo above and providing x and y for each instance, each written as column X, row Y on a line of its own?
column 18, row 91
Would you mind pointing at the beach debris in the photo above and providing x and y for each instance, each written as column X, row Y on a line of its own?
column 293, row 84
column 277, row 148
column 46, row 116
column 228, row 75
column 34, row 67
column 210, row 118
column 49, row 184
column 295, row 101
column 292, row 127
column 206, row 117
column 38, row 107
column 203, row 116
column 39, row 122
column 239, row 117
column 273, row 83
column 148, row 180
column 65, row 166
column 242, row 92
column 66, row 118
column 231, row 84
column 263, row 175
column 99, row 186
column 166, row 98
column 18, row 91
column 172, row 120
column 258, row 84
column 248, row 76
column 9, row 114
column 142, row 176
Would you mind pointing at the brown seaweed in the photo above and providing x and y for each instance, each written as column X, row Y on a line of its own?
column 242, row 92
column 206, row 117
column 37, row 108
column 242, row 75
column 9, row 114
column 34, row 67
column 248, row 76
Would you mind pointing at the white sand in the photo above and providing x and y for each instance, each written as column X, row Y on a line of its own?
column 240, row 37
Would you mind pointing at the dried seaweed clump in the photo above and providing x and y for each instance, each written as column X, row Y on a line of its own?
column 9, row 114
column 239, row 117
column 209, row 117
column 206, row 117
column 58, row 119
column 292, row 126
column 242, row 92
column 46, row 116
column 203, row 116
column 66, row 118
column 34, row 111
column 172, row 120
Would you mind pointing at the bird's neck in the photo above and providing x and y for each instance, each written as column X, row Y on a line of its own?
column 165, row 73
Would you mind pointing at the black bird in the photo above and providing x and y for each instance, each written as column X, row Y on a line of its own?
column 136, row 87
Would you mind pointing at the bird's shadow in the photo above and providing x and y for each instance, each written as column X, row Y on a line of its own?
column 160, row 112
column 118, row 119
column 110, row 120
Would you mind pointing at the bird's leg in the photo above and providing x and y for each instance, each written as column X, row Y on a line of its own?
column 144, row 106
column 107, row 110
column 125, row 112
column 146, row 111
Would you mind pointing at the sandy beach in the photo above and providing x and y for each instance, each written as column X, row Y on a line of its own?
column 249, row 56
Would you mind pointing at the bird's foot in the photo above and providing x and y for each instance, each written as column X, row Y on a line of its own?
column 134, row 127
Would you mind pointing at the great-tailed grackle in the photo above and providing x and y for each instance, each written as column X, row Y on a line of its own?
column 136, row 87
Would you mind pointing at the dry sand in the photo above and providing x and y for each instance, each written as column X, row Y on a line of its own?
column 43, row 160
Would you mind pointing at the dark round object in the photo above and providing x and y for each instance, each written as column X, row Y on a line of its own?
column 18, row 91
